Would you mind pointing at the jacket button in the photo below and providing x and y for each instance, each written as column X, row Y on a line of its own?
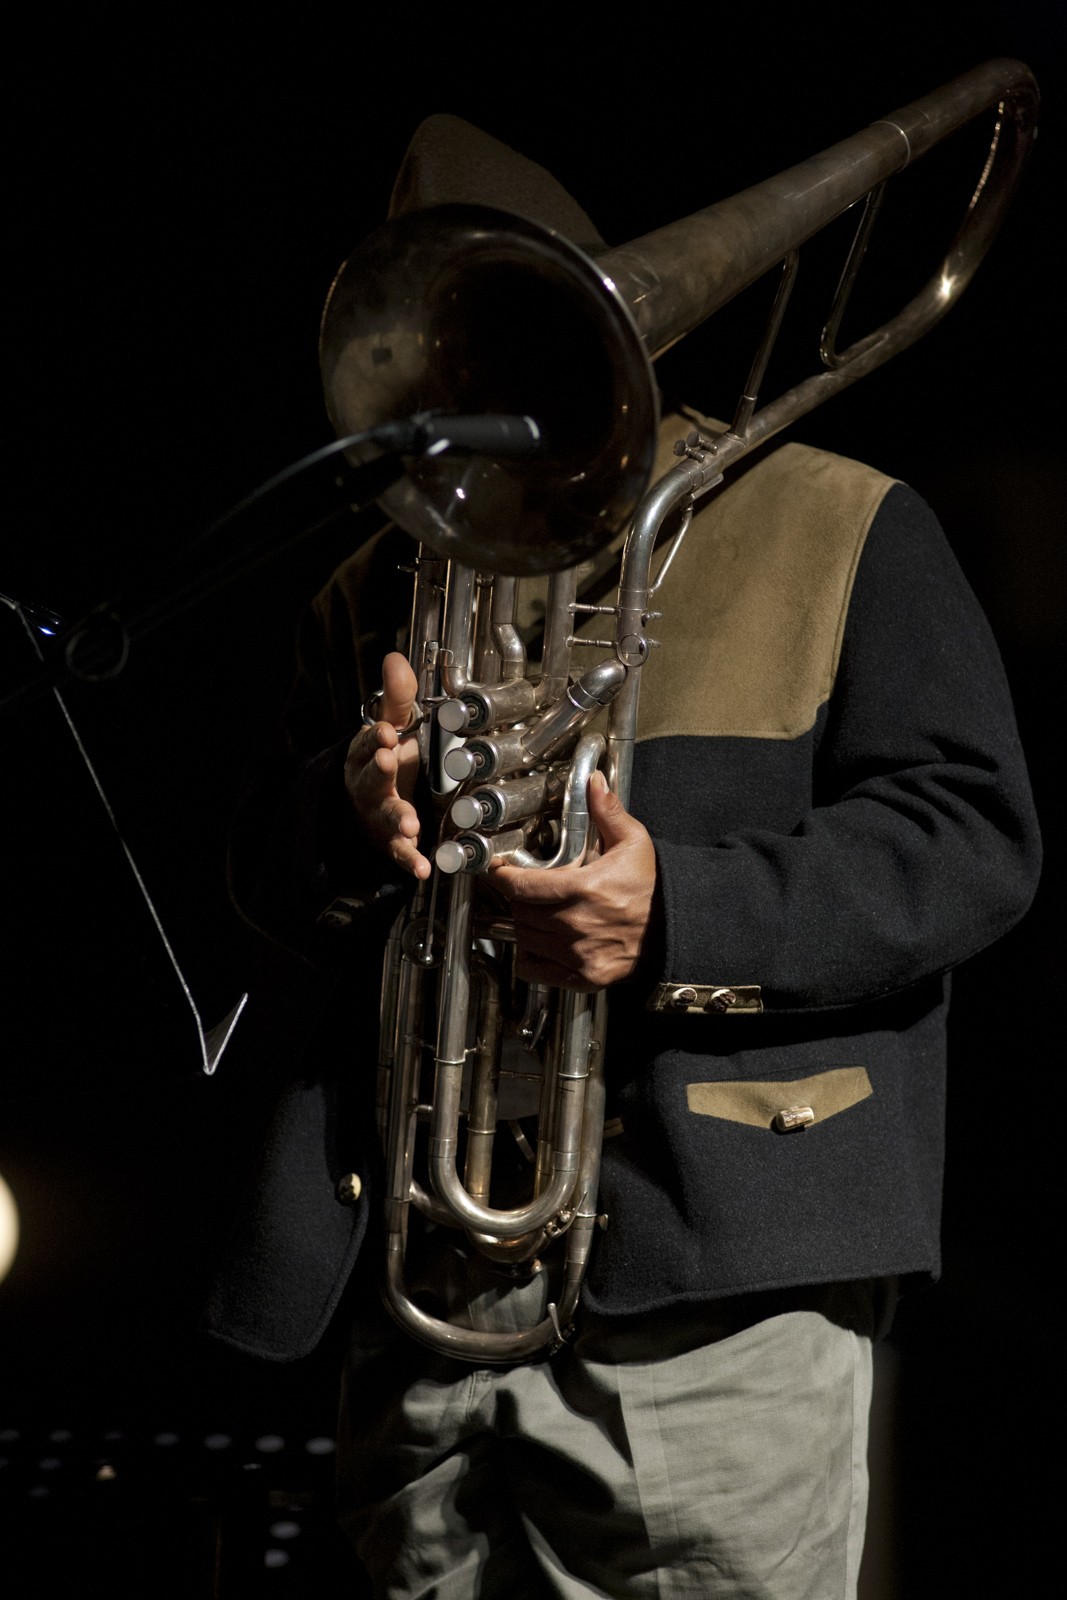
column 349, row 1189
column 721, row 1000
column 683, row 997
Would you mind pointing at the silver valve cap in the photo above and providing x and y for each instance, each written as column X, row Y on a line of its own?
column 453, row 716
column 451, row 856
column 467, row 812
column 460, row 763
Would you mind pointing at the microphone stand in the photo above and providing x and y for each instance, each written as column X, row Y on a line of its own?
column 96, row 648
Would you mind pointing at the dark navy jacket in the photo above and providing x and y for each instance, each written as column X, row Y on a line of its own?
column 828, row 764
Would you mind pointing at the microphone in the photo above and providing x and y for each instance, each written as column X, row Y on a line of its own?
column 432, row 433
column 97, row 647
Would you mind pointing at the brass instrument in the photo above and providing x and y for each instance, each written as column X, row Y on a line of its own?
column 468, row 309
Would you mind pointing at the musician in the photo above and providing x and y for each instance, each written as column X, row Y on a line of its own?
column 829, row 811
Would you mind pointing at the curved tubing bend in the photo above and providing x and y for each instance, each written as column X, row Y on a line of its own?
column 468, row 1344
column 574, row 825
column 446, row 1180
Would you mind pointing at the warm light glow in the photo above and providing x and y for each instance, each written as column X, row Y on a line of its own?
column 946, row 286
column 9, row 1228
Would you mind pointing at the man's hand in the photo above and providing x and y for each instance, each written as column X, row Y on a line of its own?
column 584, row 927
column 380, row 772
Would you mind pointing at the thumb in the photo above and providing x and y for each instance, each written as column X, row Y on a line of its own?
column 399, row 688
column 614, row 822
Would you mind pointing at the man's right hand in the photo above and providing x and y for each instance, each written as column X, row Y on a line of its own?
column 380, row 772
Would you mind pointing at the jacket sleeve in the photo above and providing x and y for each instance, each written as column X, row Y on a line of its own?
column 295, row 846
column 921, row 845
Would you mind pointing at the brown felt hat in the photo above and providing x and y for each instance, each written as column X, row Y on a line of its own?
column 450, row 162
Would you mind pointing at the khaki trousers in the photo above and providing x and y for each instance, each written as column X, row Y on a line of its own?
column 662, row 1458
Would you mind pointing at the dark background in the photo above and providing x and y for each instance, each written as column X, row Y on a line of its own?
column 184, row 193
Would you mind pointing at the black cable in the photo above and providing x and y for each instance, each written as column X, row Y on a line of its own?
column 96, row 648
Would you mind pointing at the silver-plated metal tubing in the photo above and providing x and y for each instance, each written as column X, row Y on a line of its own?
column 454, row 1003
column 917, row 128
column 424, row 957
column 487, row 662
column 580, row 1234
column 556, row 655
column 481, row 1112
column 403, row 1097
column 451, row 1055
column 510, row 647
column 553, row 1054
column 490, row 705
column 675, row 546
column 747, row 403
column 455, row 999
column 482, row 1120
column 575, row 821
column 430, row 577
column 828, row 343
column 494, row 805
column 465, row 1344
column 510, row 1224
column 496, row 755
column 537, row 1008
column 582, row 701
column 631, row 644
column 486, row 758
column 669, row 492
column 455, row 982
column 433, row 1210
column 453, row 659
column 470, row 852
column 387, row 1021
column 524, row 1248
column 679, row 275
column 431, row 573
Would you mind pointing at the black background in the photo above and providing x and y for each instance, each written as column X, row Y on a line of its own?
column 183, row 194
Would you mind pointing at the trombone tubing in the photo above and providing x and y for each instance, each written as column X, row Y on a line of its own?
column 448, row 1081
column 676, row 277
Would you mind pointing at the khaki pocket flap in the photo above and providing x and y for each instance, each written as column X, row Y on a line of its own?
column 759, row 1103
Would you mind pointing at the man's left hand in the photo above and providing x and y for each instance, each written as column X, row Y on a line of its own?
column 584, row 927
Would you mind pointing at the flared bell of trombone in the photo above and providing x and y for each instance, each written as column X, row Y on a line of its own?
column 466, row 309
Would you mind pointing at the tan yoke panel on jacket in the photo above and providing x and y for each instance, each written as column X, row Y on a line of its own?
column 754, row 604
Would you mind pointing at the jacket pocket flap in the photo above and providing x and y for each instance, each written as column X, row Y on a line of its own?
column 759, row 1104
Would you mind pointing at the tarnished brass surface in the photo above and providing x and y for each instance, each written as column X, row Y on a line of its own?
column 464, row 308
column 470, row 309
